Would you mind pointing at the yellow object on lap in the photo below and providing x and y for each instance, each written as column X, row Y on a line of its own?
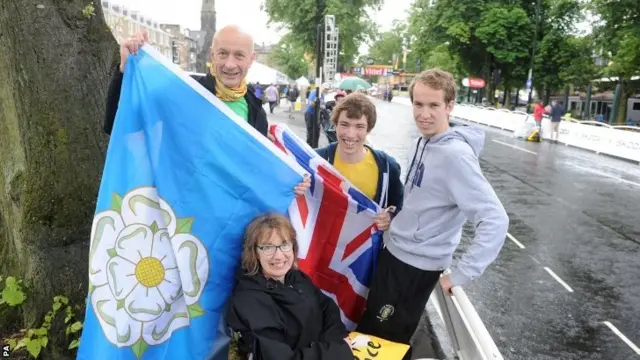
column 371, row 347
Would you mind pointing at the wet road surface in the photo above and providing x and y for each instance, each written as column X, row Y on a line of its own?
column 575, row 225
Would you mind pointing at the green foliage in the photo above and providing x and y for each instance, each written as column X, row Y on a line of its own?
column 12, row 293
column 35, row 339
column 288, row 57
column 301, row 18
column 89, row 11
column 389, row 43
column 505, row 33
column 494, row 39
column 617, row 36
column 441, row 57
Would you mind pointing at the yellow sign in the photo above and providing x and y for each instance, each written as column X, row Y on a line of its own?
column 371, row 347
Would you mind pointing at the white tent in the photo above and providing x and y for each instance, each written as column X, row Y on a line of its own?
column 302, row 82
column 266, row 75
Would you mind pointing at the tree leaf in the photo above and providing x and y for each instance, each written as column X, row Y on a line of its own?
column 44, row 341
column 34, row 347
column 10, row 282
column 139, row 348
column 76, row 326
column 21, row 343
column 13, row 296
column 64, row 300
column 12, row 343
column 184, row 225
column 41, row 332
column 116, row 202
column 195, row 310
column 74, row 344
column 56, row 307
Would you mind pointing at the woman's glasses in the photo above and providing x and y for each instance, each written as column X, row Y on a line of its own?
column 271, row 249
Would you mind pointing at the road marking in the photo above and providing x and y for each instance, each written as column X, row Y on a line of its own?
column 607, row 175
column 515, row 147
column 515, row 241
column 569, row 289
column 534, row 259
column 624, row 338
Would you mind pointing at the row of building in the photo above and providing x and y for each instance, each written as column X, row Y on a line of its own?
column 179, row 45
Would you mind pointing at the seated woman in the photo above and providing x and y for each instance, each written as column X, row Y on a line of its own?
column 275, row 309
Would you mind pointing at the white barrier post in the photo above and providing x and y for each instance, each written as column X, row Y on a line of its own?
column 485, row 340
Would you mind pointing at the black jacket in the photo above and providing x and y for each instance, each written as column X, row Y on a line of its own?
column 257, row 115
column 390, row 191
column 294, row 320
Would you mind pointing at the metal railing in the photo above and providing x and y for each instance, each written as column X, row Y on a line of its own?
column 469, row 336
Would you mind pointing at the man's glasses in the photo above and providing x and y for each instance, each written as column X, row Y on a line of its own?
column 271, row 249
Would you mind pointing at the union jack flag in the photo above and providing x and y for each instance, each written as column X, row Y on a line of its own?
column 338, row 241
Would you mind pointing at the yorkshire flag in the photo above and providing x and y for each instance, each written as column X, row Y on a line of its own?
column 184, row 175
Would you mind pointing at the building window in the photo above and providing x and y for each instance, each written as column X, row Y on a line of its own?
column 636, row 106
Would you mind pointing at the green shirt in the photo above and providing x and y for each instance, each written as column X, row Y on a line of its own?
column 239, row 107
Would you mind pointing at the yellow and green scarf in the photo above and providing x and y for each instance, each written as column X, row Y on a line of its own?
column 230, row 94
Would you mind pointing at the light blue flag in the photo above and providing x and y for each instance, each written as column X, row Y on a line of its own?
column 183, row 177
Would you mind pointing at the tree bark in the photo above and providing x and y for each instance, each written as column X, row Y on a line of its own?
column 626, row 91
column 55, row 65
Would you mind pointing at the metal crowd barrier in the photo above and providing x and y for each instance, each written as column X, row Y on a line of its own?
column 469, row 337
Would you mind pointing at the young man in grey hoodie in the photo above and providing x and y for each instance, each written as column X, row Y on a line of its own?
column 444, row 188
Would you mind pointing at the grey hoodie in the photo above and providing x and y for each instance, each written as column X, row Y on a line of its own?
column 444, row 188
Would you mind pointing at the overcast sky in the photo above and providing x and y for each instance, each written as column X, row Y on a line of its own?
column 245, row 13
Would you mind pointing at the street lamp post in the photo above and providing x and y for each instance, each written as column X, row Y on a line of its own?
column 533, row 54
column 320, row 4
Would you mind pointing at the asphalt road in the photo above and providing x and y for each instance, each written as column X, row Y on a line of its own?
column 570, row 273
column 566, row 284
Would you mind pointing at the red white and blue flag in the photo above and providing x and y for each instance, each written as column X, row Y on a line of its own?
column 339, row 243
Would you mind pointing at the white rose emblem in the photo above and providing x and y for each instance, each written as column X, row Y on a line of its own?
column 146, row 270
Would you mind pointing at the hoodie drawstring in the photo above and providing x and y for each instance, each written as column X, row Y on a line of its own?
column 413, row 162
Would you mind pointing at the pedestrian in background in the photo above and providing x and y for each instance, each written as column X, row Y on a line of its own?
column 538, row 113
column 272, row 94
column 557, row 110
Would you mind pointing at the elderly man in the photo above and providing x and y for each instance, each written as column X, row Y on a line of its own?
column 232, row 55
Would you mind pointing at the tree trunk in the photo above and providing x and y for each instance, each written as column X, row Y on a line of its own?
column 626, row 91
column 55, row 65
column 506, row 102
